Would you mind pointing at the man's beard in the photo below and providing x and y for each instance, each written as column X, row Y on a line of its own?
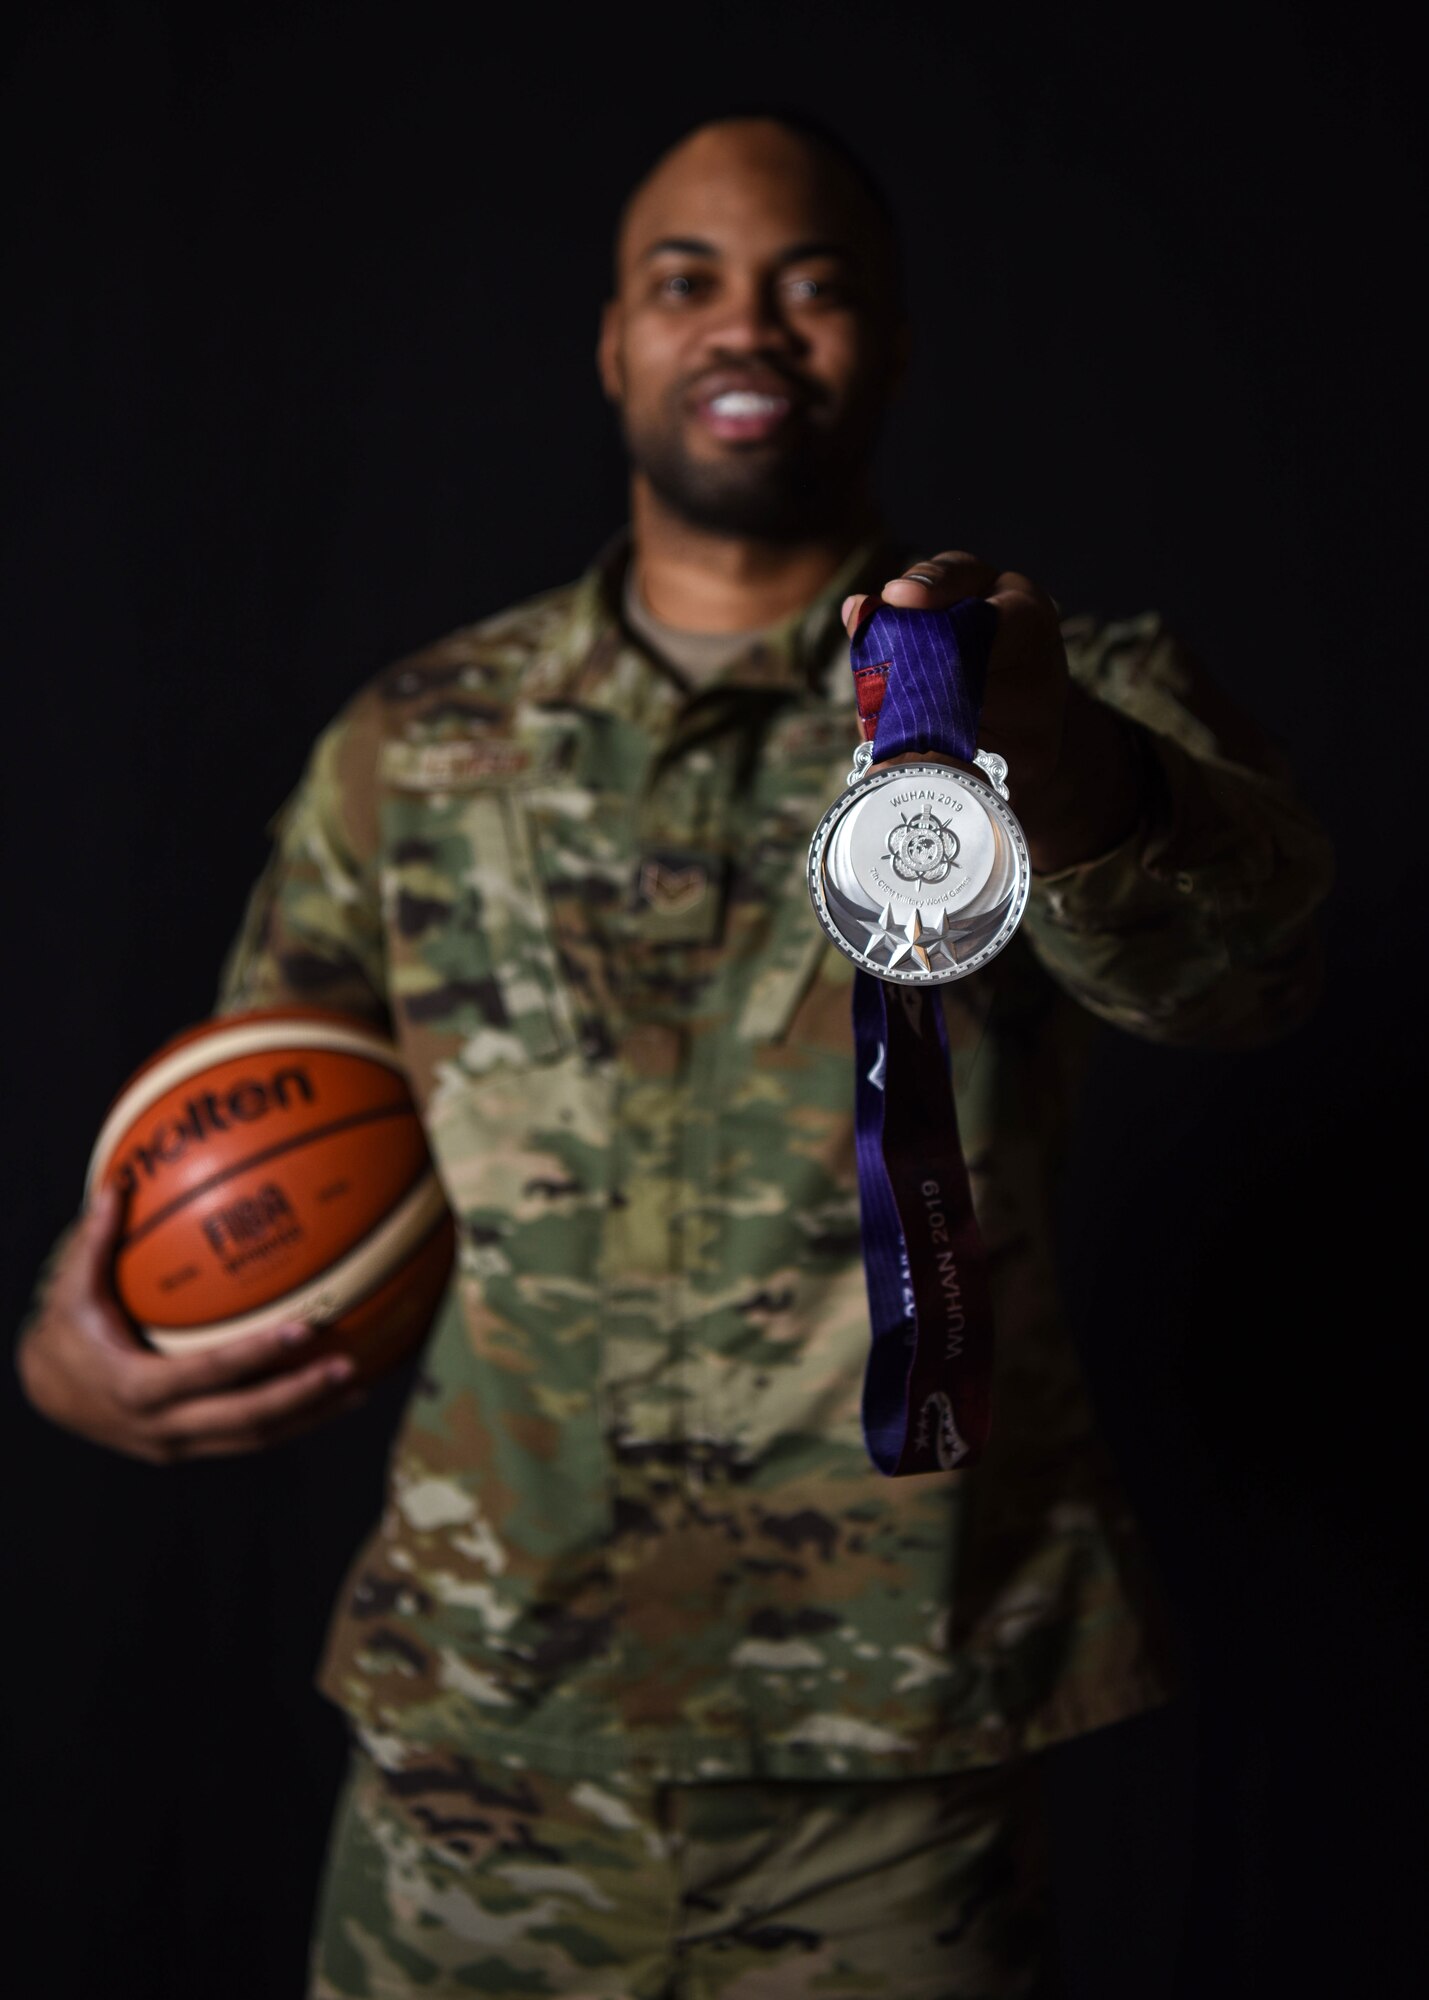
column 791, row 495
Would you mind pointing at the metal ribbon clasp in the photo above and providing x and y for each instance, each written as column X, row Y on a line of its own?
column 993, row 767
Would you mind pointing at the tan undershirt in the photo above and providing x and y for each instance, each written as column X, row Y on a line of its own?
column 698, row 656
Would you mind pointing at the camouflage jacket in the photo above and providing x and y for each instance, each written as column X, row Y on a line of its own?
column 630, row 1518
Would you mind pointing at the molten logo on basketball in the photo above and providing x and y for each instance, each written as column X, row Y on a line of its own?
column 208, row 1113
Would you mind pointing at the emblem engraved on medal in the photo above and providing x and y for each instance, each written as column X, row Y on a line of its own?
column 920, row 872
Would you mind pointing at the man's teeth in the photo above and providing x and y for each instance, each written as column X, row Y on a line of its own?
column 747, row 403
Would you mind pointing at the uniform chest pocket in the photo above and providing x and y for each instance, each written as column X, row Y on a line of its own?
column 472, row 947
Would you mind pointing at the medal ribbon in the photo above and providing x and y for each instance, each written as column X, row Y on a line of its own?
column 920, row 677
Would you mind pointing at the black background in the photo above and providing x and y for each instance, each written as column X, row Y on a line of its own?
column 299, row 376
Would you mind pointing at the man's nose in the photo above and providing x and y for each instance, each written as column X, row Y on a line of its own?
column 752, row 322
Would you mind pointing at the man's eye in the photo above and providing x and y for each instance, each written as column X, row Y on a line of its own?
column 827, row 291
column 680, row 285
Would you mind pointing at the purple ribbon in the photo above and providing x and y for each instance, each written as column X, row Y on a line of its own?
column 926, row 1390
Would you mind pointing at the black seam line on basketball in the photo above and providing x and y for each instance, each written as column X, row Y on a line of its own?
column 260, row 1160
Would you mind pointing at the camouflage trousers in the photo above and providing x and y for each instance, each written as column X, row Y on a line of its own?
column 479, row 1880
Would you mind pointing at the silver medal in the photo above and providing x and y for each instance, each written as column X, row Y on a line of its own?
column 920, row 872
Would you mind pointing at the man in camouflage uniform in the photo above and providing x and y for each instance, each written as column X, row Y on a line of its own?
column 656, row 1686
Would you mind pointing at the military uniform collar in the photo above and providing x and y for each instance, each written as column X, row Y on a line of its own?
column 605, row 666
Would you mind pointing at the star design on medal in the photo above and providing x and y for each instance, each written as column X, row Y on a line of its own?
column 916, row 940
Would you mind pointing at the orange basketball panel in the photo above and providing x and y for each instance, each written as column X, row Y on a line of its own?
column 248, row 1234
column 242, row 1108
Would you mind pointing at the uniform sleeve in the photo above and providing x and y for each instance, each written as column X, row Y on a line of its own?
column 312, row 933
column 1198, row 929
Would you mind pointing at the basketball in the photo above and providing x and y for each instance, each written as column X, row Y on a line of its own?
column 273, row 1167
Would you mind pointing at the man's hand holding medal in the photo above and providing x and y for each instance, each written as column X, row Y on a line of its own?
column 1074, row 772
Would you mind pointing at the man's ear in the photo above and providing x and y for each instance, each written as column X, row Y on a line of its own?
column 607, row 352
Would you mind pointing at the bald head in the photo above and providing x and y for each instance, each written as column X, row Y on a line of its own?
column 755, row 332
column 771, row 148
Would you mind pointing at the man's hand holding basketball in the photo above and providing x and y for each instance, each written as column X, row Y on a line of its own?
column 1074, row 770
column 82, row 1365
